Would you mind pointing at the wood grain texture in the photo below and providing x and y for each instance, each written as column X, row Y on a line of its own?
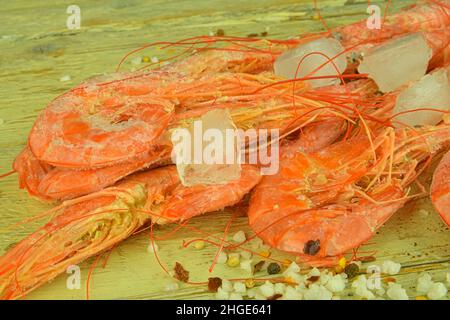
column 36, row 50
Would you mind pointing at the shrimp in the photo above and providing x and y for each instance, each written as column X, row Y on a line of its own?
column 96, row 125
column 271, row 108
column 89, row 225
column 440, row 188
column 424, row 17
column 324, row 203
column 55, row 183
column 432, row 20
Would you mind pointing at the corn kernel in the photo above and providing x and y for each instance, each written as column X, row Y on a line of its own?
column 289, row 280
column 199, row 245
column 264, row 253
column 421, row 298
column 145, row 59
column 342, row 262
column 233, row 260
column 249, row 283
column 287, row 262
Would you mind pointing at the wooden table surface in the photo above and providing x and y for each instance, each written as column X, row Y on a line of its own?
column 37, row 49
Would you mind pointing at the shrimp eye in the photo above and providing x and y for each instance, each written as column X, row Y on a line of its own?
column 312, row 247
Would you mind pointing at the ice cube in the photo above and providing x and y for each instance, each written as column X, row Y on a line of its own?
column 214, row 159
column 431, row 91
column 287, row 63
column 397, row 62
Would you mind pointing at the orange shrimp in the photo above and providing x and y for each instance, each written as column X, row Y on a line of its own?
column 55, row 183
column 89, row 225
column 440, row 188
column 98, row 125
column 325, row 203
column 271, row 108
column 424, row 17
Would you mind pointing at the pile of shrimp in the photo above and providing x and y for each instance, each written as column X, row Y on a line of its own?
column 102, row 151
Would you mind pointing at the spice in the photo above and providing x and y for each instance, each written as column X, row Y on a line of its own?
column 180, row 273
column 351, row 270
column 275, row 297
column 312, row 247
column 257, row 267
column 214, row 284
column 367, row 259
column 220, row 32
column 264, row 253
column 313, row 278
column 252, row 35
column 273, row 268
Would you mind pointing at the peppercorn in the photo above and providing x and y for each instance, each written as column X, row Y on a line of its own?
column 312, row 247
column 351, row 270
column 273, row 268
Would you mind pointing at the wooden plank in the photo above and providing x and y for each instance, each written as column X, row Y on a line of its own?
column 36, row 50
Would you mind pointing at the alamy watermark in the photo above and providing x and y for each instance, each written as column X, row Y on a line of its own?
column 374, row 20
column 230, row 146
column 74, row 280
column 73, row 21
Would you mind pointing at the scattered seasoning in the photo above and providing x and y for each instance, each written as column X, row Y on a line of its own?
column 313, row 278
column 311, row 247
column 252, row 35
column 264, row 34
column 275, row 297
column 199, row 245
column 249, row 283
column 264, row 253
column 342, row 262
column 273, row 268
column 286, row 262
column 390, row 279
column 214, row 284
column 351, row 270
column 220, row 32
column 338, row 269
column 257, row 267
column 233, row 260
column 180, row 273
column 367, row 259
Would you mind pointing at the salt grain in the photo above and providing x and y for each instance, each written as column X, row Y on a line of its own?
column 397, row 62
column 396, row 292
column 65, row 78
column 172, row 286
column 226, row 285
column 239, row 287
column 391, row 267
column 424, row 283
column 222, row 258
column 286, row 65
column 437, row 291
column 267, row 289
column 152, row 248
column 239, row 236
